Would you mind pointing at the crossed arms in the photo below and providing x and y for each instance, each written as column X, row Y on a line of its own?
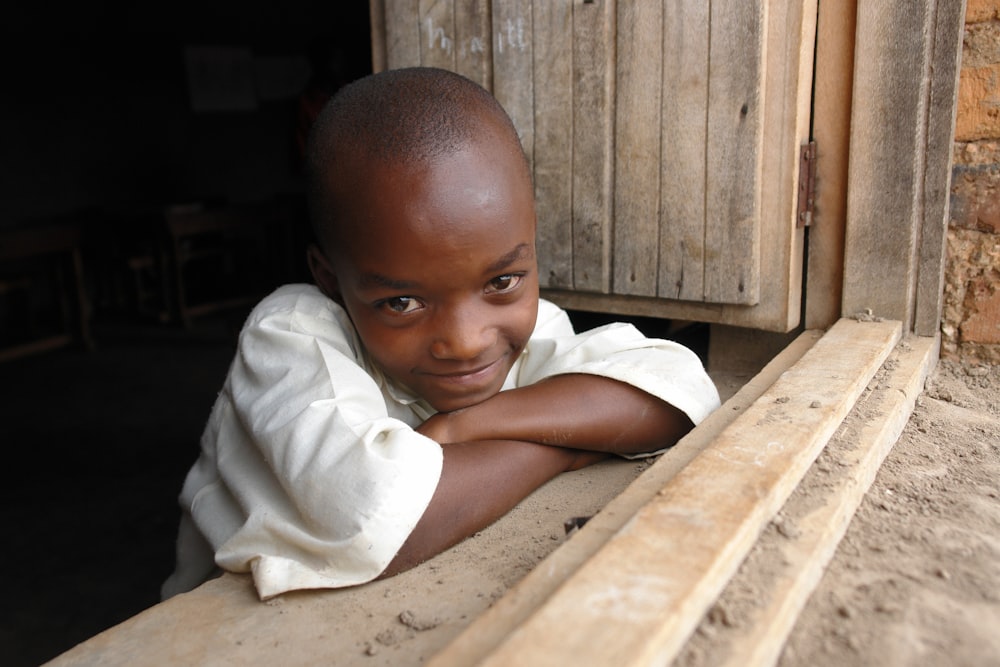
column 499, row 451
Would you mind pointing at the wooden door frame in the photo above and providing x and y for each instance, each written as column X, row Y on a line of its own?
column 884, row 117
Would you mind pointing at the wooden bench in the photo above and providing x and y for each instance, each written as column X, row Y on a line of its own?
column 238, row 248
column 43, row 259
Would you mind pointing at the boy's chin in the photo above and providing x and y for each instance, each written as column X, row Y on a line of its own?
column 456, row 403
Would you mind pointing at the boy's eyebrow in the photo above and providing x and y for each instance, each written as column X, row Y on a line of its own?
column 378, row 280
column 370, row 280
column 520, row 252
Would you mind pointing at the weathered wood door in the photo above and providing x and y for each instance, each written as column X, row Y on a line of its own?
column 664, row 138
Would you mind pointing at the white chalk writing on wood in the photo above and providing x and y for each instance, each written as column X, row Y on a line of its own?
column 438, row 38
column 511, row 35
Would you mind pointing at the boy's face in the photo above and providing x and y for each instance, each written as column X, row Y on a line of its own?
column 437, row 271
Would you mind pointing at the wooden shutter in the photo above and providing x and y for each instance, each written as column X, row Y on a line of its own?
column 663, row 137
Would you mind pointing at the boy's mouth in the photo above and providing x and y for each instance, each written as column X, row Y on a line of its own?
column 482, row 380
column 472, row 377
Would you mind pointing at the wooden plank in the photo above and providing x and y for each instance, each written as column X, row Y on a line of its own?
column 402, row 33
column 943, row 60
column 474, row 58
column 637, row 147
column 552, row 23
column 19, row 350
column 593, row 143
column 437, row 33
column 513, row 82
column 638, row 598
column 788, row 565
column 831, row 130
column 886, row 159
column 733, row 155
column 682, row 213
column 376, row 19
column 860, row 455
column 506, row 614
column 787, row 107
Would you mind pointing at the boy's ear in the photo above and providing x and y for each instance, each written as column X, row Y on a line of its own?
column 322, row 272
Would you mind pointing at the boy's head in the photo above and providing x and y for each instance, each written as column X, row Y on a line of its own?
column 423, row 209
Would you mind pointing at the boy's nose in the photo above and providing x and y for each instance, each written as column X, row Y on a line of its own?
column 463, row 335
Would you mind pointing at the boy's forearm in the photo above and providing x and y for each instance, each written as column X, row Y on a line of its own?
column 579, row 411
column 480, row 482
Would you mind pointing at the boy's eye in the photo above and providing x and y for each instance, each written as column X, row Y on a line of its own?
column 400, row 304
column 504, row 283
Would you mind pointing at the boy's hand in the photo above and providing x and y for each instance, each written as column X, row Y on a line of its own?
column 438, row 428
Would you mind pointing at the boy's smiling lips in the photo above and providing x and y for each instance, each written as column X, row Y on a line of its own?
column 470, row 377
column 465, row 376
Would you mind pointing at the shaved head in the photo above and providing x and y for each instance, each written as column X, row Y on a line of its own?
column 411, row 116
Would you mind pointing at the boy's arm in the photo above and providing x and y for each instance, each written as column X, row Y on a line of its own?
column 480, row 482
column 576, row 410
column 499, row 451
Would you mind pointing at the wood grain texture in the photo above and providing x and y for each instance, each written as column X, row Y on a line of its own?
column 553, row 73
column 642, row 202
column 376, row 19
column 887, row 158
column 831, row 129
column 593, row 111
column 402, row 33
column 474, row 42
column 637, row 147
column 437, row 33
column 684, row 139
column 787, row 103
column 513, row 80
column 733, row 156
column 946, row 52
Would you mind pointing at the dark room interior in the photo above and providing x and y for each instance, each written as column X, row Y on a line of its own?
column 150, row 193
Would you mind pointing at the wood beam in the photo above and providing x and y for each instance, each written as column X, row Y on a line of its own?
column 788, row 562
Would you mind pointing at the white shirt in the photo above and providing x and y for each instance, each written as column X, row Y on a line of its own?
column 311, row 474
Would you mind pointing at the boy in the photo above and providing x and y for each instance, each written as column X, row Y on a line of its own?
column 420, row 389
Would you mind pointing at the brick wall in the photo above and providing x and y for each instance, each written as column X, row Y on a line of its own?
column 971, row 319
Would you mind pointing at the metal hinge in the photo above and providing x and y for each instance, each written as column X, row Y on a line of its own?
column 807, row 184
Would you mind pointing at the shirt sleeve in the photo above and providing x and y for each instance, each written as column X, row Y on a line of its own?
column 317, row 486
column 665, row 369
